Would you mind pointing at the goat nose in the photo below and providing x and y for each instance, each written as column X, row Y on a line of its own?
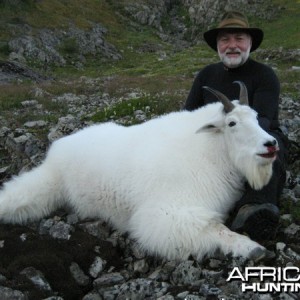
column 271, row 143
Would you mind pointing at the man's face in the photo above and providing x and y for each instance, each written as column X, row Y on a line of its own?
column 233, row 48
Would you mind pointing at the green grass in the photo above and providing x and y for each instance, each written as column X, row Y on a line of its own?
column 153, row 71
column 124, row 109
column 11, row 96
column 149, row 104
column 284, row 31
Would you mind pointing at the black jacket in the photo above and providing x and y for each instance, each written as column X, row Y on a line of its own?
column 262, row 85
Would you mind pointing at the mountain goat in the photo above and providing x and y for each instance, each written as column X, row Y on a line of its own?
column 170, row 182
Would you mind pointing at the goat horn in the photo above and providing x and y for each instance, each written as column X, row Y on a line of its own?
column 243, row 93
column 228, row 106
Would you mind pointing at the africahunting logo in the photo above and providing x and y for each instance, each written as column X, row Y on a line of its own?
column 267, row 279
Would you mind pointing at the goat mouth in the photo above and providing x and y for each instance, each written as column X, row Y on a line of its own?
column 272, row 153
column 268, row 155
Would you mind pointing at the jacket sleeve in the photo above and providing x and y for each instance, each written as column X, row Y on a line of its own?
column 195, row 97
column 266, row 100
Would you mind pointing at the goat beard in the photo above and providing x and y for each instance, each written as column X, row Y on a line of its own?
column 257, row 175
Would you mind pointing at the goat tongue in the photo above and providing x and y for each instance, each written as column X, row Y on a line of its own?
column 272, row 152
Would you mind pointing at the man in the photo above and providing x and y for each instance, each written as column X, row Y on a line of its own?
column 256, row 213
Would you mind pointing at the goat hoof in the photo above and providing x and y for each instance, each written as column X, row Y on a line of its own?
column 259, row 254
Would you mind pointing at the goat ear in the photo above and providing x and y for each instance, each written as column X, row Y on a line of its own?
column 213, row 128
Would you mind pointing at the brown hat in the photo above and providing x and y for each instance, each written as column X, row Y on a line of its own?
column 234, row 22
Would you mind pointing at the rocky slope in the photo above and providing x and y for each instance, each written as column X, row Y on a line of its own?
column 60, row 257
column 180, row 22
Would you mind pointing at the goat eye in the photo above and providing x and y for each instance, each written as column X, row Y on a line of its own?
column 231, row 124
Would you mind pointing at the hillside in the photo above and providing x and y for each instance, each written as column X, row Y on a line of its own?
column 150, row 45
column 67, row 64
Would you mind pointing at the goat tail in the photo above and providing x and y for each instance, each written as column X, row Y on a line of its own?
column 30, row 196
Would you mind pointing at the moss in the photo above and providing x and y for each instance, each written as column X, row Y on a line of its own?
column 69, row 46
column 126, row 108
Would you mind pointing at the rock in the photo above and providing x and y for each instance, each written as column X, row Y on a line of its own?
column 18, row 143
column 61, row 230
column 108, row 280
column 166, row 297
column 207, row 289
column 10, row 294
column 32, row 124
column 24, row 143
column 141, row 288
column 97, row 267
column 45, row 44
column 141, row 266
column 65, row 125
column 140, row 115
column 194, row 18
column 72, row 219
column 10, row 70
column 29, row 103
column 3, row 171
column 45, row 226
column 78, row 274
column 92, row 296
column 280, row 246
column 295, row 68
column 186, row 274
column 297, row 191
column 292, row 229
column 37, row 278
column 96, row 228
column 183, row 295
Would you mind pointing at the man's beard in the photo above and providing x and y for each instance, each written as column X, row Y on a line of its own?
column 234, row 62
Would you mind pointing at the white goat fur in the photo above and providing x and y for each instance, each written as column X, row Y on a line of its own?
column 169, row 182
